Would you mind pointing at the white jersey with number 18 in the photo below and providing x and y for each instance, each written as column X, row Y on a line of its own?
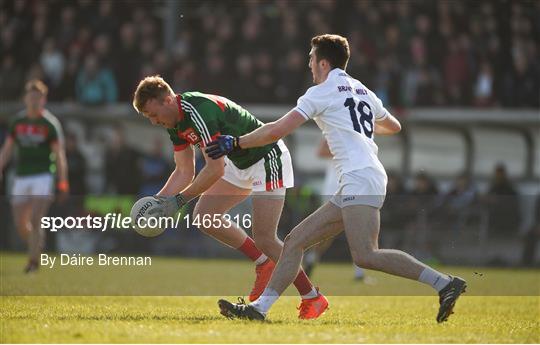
column 346, row 111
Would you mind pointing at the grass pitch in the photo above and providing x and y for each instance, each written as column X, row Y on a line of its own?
column 195, row 319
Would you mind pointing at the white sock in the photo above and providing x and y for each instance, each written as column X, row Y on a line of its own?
column 358, row 272
column 261, row 259
column 436, row 279
column 265, row 301
column 312, row 294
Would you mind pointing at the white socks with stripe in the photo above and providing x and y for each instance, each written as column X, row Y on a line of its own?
column 312, row 294
column 265, row 301
column 433, row 278
column 261, row 260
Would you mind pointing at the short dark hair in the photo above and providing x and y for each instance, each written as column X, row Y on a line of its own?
column 333, row 48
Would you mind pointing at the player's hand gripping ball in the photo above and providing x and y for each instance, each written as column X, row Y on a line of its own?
column 144, row 217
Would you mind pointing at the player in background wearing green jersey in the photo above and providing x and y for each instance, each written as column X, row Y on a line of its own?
column 195, row 119
column 36, row 133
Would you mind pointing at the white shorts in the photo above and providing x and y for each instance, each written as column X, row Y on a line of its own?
column 273, row 173
column 32, row 185
column 361, row 187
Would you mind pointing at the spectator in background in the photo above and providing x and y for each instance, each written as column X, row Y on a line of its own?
column 456, row 72
column 8, row 41
column 419, row 209
column 421, row 85
column 154, row 170
column 67, row 85
column 67, row 31
column 425, row 190
column 264, row 76
column 95, row 85
column 11, row 79
column 395, row 215
column 122, row 170
column 127, row 63
column 455, row 206
column 161, row 63
column 483, row 89
column 244, row 89
column 215, row 74
column 147, row 48
column 522, row 84
column 105, row 21
column 502, row 204
column 292, row 77
column 83, row 41
column 53, row 63
column 102, row 48
column 184, row 77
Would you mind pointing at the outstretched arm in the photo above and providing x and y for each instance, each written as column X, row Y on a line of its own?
column 388, row 126
column 266, row 134
column 272, row 131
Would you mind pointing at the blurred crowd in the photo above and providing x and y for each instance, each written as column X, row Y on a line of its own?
column 411, row 53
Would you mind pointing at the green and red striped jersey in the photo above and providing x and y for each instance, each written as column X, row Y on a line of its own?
column 33, row 138
column 203, row 117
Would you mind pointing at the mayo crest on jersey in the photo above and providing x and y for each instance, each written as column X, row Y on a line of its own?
column 345, row 111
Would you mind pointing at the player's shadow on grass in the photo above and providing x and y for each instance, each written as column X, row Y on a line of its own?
column 192, row 319
column 288, row 322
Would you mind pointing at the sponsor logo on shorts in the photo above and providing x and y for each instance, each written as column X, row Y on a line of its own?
column 349, row 198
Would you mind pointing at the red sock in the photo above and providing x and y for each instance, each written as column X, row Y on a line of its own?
column 302, row 283
column 249, row 249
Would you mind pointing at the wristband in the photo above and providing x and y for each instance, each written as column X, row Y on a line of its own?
column 63, row 186
column 236, row 144
column 180, row 200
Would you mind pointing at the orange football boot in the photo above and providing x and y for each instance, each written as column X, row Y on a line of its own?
column 264, row 273
column 312, row 308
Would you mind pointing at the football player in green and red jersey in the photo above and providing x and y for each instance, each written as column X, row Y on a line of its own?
column 195, row 119
column 38, row 137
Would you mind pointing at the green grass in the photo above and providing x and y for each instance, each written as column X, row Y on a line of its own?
column 479, row 318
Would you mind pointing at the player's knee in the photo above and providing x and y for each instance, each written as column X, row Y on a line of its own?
column 292, row 241
column 365, row 259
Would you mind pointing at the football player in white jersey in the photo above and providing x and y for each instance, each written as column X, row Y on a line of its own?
column 330, row 186
column 349, row 115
